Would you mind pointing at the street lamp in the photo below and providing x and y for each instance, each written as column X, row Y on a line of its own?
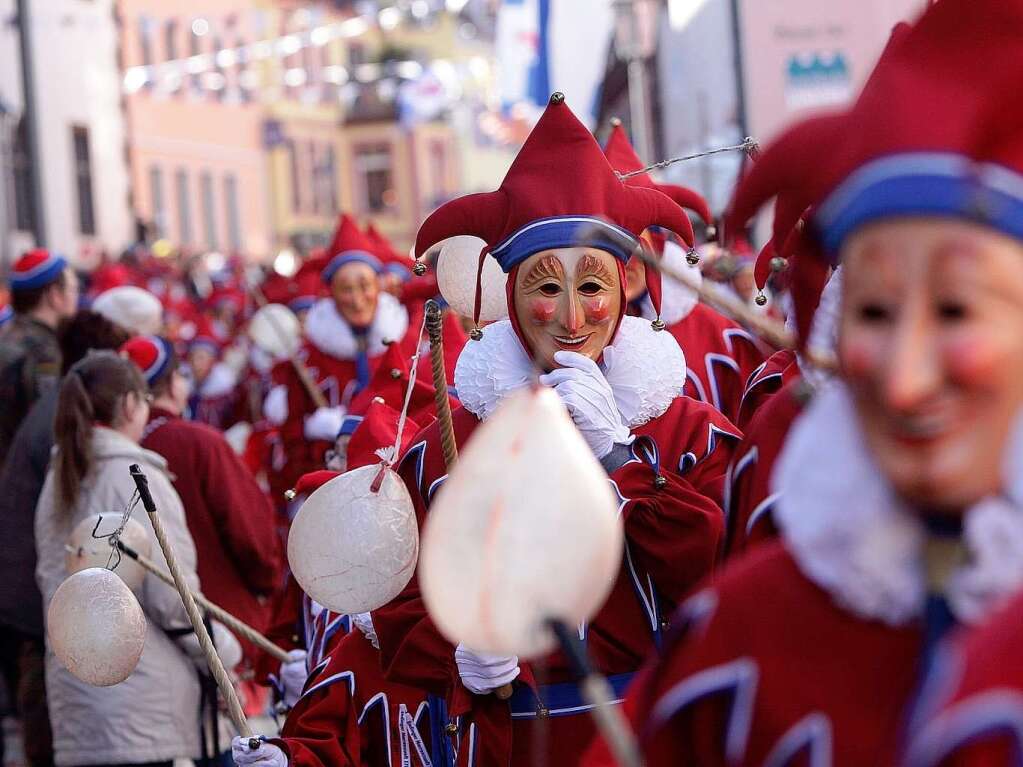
column 634, row 43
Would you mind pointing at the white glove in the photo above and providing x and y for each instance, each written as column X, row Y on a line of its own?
column 364, row 623
column 483, row 673
column 590, row 401
column 267, row 755
column 275, row 406
column 293, row 676
column 325, row 423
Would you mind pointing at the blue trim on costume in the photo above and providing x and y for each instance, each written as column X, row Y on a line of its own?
column 301, row 303
column 350, row 257
column 441, row 753
column 40, row 275
column 563, row 232
column 562, row 699
column 348, row 425
column 738, row 677
column 923, row 183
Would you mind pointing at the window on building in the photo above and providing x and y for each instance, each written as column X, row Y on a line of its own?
column 146, row 25
column 194, row 49
column 330, row 171
column 170, row 51
column 209, row 210
column 234, row 227
column 184, row 207
column 21, row 170
column 159, row 205
column 316, row 201
column 83, row 180
column 374, row 164
column 296, row 177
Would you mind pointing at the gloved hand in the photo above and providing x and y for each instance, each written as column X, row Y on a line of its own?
column 267, row 755
column 275, row 406
column 324, row 423
column 482, row 673
column 590, row 401
column 293, row 676
column 364, row 623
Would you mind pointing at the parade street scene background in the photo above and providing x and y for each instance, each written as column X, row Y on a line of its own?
column 511, row 383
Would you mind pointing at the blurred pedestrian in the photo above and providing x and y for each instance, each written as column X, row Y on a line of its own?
column 44, row 290
column 241, row 562
column 152, row 717
column 21, row 482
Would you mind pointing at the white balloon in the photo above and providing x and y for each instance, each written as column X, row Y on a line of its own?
column 456, row 277
column 96, row 627
column 88, row 551
column 276, row 330
column 352, row 549
column 525, row 530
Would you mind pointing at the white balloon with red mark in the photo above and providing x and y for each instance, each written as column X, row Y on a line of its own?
column 96, row 627
column 456, row 277
column 352, row 547
column 85, row 550
column 276, row 330
column 526, row 529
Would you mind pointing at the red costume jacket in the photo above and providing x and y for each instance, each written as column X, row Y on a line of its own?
column 240, row 561
column 765, row 668
column 720, row 358
column 971, row 712
column 750, row 498
column 776, row 371
column 673, row 535
column 350, row 716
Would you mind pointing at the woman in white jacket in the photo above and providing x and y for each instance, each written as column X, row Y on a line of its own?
column 152, row 717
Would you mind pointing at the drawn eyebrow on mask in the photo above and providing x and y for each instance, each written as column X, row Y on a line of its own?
column 548, row 267
column 590, row 264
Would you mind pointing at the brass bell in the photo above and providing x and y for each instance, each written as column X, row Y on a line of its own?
column 658, row 325
column 761, row 299
column 660, row 481
column 475, row 334
column 692, row 257
column 289, row 495
column 419, row 269
column 395, row 373
column 778, row 264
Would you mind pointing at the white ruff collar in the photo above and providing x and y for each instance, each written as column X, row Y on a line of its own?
column 677, row 300
column 328, row 331
column 649, row 370
column 852, row 536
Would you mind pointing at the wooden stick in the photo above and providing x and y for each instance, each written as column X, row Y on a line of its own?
column 300, row 368
column 736, row 309
column 216, row 666
column 435, row 329
column 235, row 624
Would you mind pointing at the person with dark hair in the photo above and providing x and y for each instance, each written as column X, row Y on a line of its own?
column 21, row 482
column 44, row 290
column 241, row 562
column 152, row 716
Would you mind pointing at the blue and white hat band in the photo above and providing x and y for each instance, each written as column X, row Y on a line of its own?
column 43, row 273
column 350, row 257
column 922, row 184
column 564, row 232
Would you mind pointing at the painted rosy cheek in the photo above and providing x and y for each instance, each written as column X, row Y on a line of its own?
column 860, row 357
column 542, row 311
column 976, row 361
column 597, row 310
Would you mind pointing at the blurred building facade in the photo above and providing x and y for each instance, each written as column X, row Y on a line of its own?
column 253, row 122
column 64, row 173
column 720, row 70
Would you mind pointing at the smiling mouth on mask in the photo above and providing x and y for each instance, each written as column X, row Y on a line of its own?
column 565, row 341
